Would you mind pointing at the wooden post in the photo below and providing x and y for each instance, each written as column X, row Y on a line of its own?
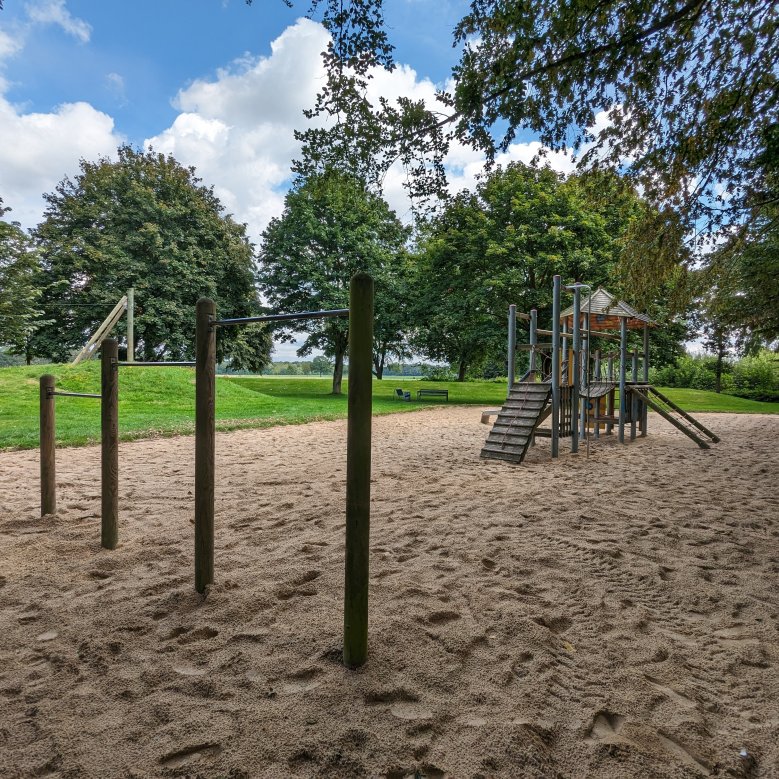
column 584, row 377
column 533, row 340
column 131, row 324
column 109, row 421
column 512, row 356
column 358, row 470
column 577, row 367
column 623, row 359
column 205, row 441
column 47, row 441
column 634, row 398
column 644, row 407
column 556, row 367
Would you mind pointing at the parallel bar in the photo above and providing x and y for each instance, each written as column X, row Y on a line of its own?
column 556, row 367
column 137, row 364
column 47, row 442
column 587, row 332
column 245, row 320
column 205, row 442
column 109, row 422
column 75, row 394
column 358, row 471
column 512, row 347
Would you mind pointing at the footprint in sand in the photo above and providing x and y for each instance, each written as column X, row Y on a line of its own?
column 605, row 726
column 304, row 680
column 195, row 752
column 49, row 635
column 410, row 711
column 189, row 670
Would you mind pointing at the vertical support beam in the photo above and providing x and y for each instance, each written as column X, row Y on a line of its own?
column 566, row 374
column 610, row 396
column 205, row 441
column 556, row 367
column 584, row 377
column 512, row 356
column 577, row 367
column 109, row 423
column 623, row 359
column 131, row 324
column 358, row 470
column 645, row 378
column 634, row 398
column 47, row 441
column 533, row 339
column 597, row 402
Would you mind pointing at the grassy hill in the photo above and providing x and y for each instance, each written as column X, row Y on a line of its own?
column 161, row 401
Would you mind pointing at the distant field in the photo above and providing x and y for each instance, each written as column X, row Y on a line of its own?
column 156, row 401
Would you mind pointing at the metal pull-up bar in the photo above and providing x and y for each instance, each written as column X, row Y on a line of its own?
column 247, row 320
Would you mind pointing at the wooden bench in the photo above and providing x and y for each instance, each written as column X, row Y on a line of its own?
column 428, row 393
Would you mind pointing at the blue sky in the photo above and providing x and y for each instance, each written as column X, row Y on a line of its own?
column 218, row 84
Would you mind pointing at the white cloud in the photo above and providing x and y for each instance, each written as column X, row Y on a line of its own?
column 38, row 149
column 56, row 12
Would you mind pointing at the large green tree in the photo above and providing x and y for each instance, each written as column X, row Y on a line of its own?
column 333, row 226
column 144, row 221
column 20, row 289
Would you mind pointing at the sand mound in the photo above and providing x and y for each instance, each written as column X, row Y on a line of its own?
column 606, row 617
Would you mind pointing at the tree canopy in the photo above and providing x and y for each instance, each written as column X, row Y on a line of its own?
column 144, row 221
column 332, row 226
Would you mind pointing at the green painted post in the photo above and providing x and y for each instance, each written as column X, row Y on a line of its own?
column 48, row 444
column 205, row 441
column 556, row 366
column 358, row 470
column 109, row 423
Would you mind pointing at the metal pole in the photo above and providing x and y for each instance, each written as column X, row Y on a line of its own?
column 634, row 399
column 610, row 396
column 556, row 366
column 109, row 421
column 358, row 470
column 533, row 339
column 596, row 402
column 512, row 346
column 623, row 359
column 131, row 324
column 205, row 441
column 47, row 441
column 577, row 351
column 644, row 408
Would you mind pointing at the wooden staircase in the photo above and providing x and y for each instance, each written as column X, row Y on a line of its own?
column 526, row 406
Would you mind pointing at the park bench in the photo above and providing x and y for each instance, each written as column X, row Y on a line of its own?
column 432, row 393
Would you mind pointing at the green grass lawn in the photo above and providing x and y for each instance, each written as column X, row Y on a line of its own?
column 161, row 401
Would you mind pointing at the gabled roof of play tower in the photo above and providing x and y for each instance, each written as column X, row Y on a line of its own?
column 607, row 312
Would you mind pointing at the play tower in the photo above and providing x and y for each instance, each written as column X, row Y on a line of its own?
column 581, row 391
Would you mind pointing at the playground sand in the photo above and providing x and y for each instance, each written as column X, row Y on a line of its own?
column 606, row 617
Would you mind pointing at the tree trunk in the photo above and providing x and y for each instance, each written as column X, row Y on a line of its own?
column 461, row 371
column 378, row 363
column 338, row 370
column 720, row 358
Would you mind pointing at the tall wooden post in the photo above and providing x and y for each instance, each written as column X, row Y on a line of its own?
column 610, row 396
column 633, row 397
column 512, row 356
column 131, row 324
column 645, row 377
column 577, row 367
column 584, row 378
column 596, row 401
column 109, row 422
column 556, row 367
column 358, row 470
column 205, row 441
column 623, row 359
column 47, row 441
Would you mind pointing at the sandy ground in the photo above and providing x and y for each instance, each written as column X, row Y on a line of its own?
column 614, row 616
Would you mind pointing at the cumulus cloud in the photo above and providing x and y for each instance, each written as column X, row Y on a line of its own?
column 56, row 12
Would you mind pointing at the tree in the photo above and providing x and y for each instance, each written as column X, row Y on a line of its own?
column 688, row 87
column 19, row 287
column 502, row 245
column 331, row 227
column 147, row 222
column 321, row 364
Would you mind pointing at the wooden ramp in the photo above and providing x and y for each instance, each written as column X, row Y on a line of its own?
column 526, row 406
column 679, row 418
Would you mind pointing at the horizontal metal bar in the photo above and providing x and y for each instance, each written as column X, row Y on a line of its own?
column 156, row 364
column 246, row 320
column 75, row 394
